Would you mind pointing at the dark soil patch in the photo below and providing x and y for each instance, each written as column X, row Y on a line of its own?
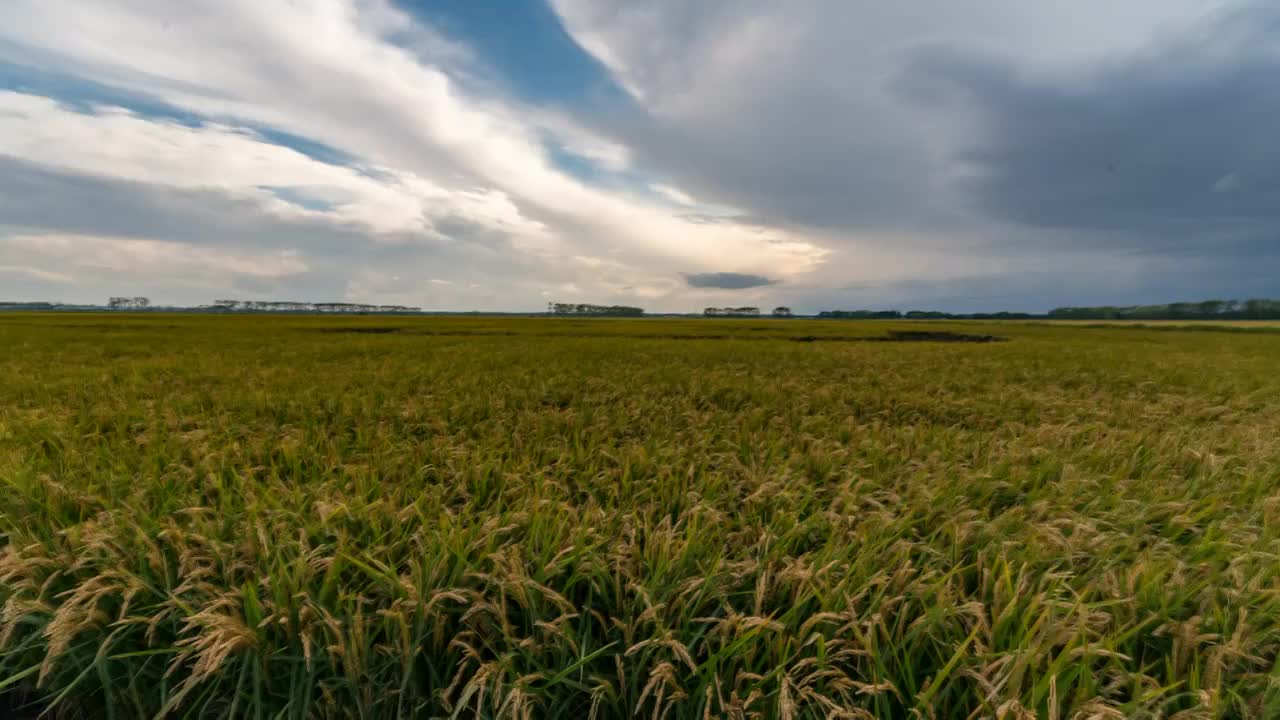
column 891, row 336
column 939, row 336
column 359, row 330
column 903, row 336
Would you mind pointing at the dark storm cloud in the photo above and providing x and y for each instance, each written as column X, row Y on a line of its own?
column 793, row 157
column 726, row 280
column 1117, row 280
column 1174, row 151
column 1164, row 144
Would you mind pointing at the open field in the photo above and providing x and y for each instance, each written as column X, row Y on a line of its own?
column 266, row 516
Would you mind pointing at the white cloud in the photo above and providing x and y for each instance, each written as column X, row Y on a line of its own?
column 575, row 139
column 675, row 195
column 78, row 254
column 325, row 69
column 38, row 273
column 113, row 142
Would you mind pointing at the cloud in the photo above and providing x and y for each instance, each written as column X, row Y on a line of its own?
column 113, row 142
column 79, row 254
column 37, row 273
column 38, row 202
column 675, row 195
column 279, row 65
column 786, row 110
column 1173, row 150
column 726, row 280
column 221, row 103
column 978, row 140
column 1227, row 182
column 825, row 147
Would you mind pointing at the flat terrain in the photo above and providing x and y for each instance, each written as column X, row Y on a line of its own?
column 276, row 516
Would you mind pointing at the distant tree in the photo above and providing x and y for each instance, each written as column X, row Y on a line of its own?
column 594, row 310
column 1211, row 308
column 732, row 312
column 290, row 306
column 1255, row 309
column 782, row 311
column 128, row 303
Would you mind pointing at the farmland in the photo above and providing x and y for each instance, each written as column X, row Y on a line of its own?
column 267, row 516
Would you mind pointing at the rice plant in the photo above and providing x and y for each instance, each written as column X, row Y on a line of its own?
column 297, row 517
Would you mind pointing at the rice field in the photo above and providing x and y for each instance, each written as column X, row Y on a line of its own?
column 297, row 517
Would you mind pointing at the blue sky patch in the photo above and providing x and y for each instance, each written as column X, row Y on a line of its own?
column 525, row 44
column 317, row 151
column 83, row 95
column 300, row 197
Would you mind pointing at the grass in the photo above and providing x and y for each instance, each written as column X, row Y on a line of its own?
column 290, row 517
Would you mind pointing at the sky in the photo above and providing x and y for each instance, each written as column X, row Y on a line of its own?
column 668, row 154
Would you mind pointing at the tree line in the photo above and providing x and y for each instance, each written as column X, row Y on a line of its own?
column 1255, row 309
column 34, row 305
column 732, row 312
column 281, row 306
column 128, row 303
column 556, row 308
column 1252, row 309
